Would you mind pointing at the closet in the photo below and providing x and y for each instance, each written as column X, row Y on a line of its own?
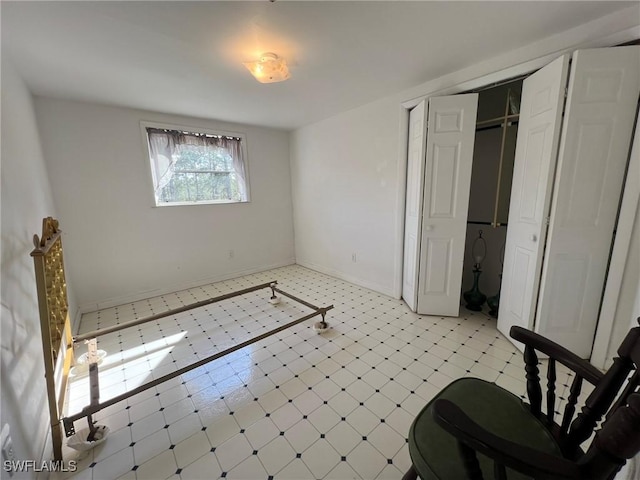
column 574, row 130
column 490, row 189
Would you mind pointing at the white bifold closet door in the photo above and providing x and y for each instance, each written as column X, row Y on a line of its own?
column 413, row 206
column 596, row 135
column 449, row 156
column 534, row 164
column 554, row 285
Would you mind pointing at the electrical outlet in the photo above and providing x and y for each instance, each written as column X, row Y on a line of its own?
column 7, row 446
column 231, row 253
column 353, row 257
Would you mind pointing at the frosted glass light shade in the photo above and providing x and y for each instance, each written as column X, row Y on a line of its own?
column 269, row 68
column 479, row 249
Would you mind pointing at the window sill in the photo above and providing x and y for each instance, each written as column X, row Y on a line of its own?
column 211, row 202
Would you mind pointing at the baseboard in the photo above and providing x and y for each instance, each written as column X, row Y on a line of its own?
column 124, row 299
column 385, row 290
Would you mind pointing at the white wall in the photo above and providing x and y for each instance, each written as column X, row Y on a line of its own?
column 118, row 247
column 348, row 171
column 345, row 179
column 25, row 199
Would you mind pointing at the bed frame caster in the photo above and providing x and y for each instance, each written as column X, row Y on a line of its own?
column 321, row 326
column 274, row 299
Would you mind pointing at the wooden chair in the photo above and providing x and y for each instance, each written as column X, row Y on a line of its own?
column 475, row 429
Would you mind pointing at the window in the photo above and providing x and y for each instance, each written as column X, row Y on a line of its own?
column 190, row 167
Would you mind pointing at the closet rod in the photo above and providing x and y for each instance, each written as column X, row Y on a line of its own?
column 491, row 224
column 507, row 116
column 500, row 125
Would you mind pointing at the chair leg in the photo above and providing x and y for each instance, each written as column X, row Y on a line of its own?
column 411, row 474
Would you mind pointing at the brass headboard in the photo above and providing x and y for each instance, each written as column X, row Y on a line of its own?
column 57, row 341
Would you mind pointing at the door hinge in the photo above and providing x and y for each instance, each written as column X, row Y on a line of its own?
column 547, row 221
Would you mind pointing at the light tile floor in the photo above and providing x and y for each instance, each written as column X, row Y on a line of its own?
column 297, row 405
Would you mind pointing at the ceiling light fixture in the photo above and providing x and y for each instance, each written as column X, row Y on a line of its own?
column 269, row 68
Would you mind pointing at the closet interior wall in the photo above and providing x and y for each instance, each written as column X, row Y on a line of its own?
column 494, row 152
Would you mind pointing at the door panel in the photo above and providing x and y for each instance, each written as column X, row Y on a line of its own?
column 413, row 207
column 521, row 283
column 443, row 181
column 536, row 150
column 601, row 105
column 450, row 138
column 438, row 256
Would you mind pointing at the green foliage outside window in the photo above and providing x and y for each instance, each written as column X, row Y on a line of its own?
column 201, row 174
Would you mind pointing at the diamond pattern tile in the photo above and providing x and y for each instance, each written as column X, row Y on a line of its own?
column 295, row 405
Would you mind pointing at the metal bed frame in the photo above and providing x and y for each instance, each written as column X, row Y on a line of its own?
column 59, row 344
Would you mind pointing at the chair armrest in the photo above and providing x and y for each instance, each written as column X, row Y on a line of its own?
column 569, row 359
column 530, row 462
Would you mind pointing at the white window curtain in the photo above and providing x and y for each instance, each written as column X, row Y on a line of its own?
column 162, row 151
column 162, row 148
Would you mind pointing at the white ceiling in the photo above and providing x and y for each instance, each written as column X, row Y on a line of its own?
column 186, row 57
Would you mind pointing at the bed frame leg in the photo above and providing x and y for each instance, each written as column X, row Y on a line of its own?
column 56, row 438
column 94, row 384
column 92, row 429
